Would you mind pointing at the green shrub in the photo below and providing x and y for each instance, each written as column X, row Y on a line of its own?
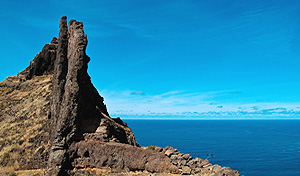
column 5, row 156
column 151, row 147
column 5, row 159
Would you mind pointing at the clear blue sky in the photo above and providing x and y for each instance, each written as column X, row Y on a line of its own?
column 172, row 59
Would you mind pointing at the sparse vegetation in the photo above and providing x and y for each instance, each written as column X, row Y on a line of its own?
column 22, row 119
column 151, row 147
column 5, row 156
column 8, row 171
column 5, row 159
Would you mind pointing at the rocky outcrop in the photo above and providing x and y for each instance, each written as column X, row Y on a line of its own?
column 84, row 115
column 111, row 158
column 43, row 63
column 120, row 158
column 189, row 166
column 53, row 118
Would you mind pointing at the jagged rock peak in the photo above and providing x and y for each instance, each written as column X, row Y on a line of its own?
column 77, row 110
column 43, row 63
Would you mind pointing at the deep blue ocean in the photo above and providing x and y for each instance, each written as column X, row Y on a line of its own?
column 253, row 147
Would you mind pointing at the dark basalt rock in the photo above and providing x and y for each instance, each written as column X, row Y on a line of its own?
column 77, row 109
column 43, row 63
column 120, row 157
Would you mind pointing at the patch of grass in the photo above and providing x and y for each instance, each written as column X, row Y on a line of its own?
column 151, row 147
column 37, row 172
column 2, row 142
column 23, row 109
column 5, row 156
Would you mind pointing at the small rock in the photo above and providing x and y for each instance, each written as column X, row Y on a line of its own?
column 180, row 154
column 191, row 162
column 173, row 157
column 167, row 148
column 197, row 170
column 176, row 153
column 159, row 149
column 203, row 163
column 227, row 171
column 192, row 167
column 169, row 153
column 186, row 156
column 198, row 160
column 217, row 168
column 183, row 162
column 207, row 165
column 175, row 162
column 179, row 157
column 186, row 170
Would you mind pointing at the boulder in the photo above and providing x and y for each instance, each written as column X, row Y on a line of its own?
column 203, row 163
column 159, row 149
column 227, row 171
column 119, row 157
column 197, row 170
column 169, row 152
column 198, row 160
column 173, row 157
column 216, row 168
column 186, row 170
column 186, row 156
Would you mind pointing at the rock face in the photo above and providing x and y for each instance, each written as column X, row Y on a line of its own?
column 84, row 114
column 43, row 63
column 53, row 118
column 120, row 157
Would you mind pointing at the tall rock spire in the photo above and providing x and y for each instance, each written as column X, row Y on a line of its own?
column 77, row 110
column 59, row 74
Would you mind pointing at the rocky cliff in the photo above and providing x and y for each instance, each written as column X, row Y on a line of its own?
column 52, row 118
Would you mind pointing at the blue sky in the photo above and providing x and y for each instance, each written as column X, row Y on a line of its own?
column 173, row 59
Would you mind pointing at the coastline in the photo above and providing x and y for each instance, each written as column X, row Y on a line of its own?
column 253, row 147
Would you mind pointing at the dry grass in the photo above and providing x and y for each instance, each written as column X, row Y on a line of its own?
column 7, row 171
column 36, row 172
column 24, row 112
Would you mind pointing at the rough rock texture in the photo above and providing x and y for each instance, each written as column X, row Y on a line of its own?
column 120, row 157
column 189, row 166
column 31, row 118
column 43, row 63
column 84, row 114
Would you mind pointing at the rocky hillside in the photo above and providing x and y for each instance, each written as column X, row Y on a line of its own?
column 24, row 111
column 54, row 122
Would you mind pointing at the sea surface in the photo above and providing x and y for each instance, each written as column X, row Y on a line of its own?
column 253, row 147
